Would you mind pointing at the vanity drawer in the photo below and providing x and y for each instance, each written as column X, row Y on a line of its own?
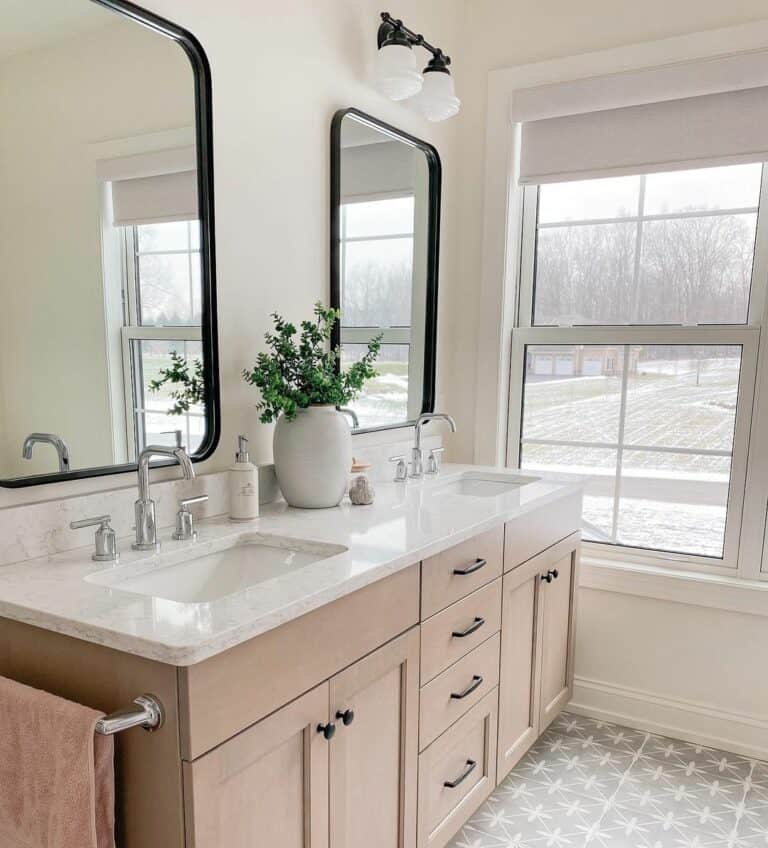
column 454, row 632
column 452, row 693
column 535, row 531
column 453, row 574
column 271, row 669
column 465, row 758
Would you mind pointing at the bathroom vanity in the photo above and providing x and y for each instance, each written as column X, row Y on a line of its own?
column 357, row 676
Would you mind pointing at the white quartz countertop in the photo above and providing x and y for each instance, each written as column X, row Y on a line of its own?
column 408, row 522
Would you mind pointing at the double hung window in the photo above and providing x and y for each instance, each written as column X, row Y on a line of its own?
column 636, row 349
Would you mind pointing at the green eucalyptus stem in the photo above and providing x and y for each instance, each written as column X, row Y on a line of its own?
column 301, row 370
column 188, row 376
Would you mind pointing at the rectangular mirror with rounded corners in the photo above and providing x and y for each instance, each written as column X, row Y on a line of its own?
column 107, row 285
column 385, row 233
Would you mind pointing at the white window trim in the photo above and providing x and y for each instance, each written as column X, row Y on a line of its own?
column 747, row 337
column 134, row 331
column 501, row 260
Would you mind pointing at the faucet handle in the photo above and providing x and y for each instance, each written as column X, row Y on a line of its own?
column 187, row 502
column 433, row 461
column 401, row 469
column 106, row 538
column 185, row 526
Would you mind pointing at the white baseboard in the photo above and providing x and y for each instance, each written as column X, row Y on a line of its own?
column 694, row 722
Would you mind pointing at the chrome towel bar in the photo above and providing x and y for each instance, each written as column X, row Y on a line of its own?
column 146, row 711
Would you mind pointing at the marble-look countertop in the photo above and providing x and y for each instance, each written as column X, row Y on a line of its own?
column 407, row 523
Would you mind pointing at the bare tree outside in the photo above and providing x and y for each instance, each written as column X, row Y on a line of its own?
column 650, row 425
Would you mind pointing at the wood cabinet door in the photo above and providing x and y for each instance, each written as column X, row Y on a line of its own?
column 558, row 627
column 266, row 786
column 519, row 666
column 373, row 758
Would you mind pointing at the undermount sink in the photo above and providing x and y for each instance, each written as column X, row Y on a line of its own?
column 486, row 485
column 194, row 578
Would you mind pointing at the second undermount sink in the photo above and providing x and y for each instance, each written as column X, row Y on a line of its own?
column 480, row 484
column 201, row 577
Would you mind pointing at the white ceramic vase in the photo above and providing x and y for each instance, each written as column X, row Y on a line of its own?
column 313, row 455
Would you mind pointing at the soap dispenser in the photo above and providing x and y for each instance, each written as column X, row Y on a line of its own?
column 243, row 485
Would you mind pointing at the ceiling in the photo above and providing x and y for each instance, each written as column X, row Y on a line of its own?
column 29, row 24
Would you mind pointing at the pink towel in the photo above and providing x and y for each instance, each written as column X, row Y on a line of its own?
column 57, row 782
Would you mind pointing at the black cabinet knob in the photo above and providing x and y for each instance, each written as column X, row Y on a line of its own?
column 327, row 729
column 547, row 577
column 555, row 573
column 346, row 717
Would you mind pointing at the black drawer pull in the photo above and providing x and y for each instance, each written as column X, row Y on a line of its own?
column 470, row 767
column 477, row 680
column 476, row 625
column 471, row 568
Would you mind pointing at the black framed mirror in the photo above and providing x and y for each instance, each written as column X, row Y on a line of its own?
column 385, row 244
column 108, row 335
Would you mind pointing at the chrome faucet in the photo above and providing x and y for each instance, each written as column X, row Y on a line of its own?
column 62, row 450
column 146, row 527
column 417, row 455
column 350, row 413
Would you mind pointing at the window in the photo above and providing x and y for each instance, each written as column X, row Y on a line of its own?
column 376, row 252
column 163, row 309
column 634, row 362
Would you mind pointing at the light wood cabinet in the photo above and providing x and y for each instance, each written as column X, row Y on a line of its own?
column 459, row 629
column 453, row 574
column 557, row 628
column 457, row 773
column 518, row 689
column 446, row 698
column 373, row 759
column 537, row 642
column 266, row 786
column 241, row 761
column 283, row 783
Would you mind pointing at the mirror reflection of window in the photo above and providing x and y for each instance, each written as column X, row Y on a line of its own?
column 163, row 291
column 150, row 217
column 383, row 229
column 99, row 169
column 377, row 280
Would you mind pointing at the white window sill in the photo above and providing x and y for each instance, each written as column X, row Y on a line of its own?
column 683, row 587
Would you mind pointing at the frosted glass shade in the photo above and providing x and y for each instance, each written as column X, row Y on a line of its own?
column 397, row 76
column 437, row 99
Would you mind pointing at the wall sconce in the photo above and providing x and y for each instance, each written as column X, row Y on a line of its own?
column 397, row 76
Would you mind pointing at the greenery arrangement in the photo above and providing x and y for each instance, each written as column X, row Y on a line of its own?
column 188, row 376
column 297, row 373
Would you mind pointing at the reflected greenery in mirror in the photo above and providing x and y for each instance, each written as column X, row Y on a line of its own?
column 107, row 331
column 385, row 220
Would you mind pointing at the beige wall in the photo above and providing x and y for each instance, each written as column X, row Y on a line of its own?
column 60, row 99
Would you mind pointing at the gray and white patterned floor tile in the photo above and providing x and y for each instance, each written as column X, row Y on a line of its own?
column 590, row 784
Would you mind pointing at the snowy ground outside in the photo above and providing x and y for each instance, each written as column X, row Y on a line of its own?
column 668, row 500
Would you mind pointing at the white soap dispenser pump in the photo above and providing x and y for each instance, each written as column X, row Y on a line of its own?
column 243, row 485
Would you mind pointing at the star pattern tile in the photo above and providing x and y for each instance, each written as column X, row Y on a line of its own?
column 590, row 784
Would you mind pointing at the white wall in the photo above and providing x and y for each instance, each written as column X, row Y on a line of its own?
column 56, row 102
column 500, row 35
column 279, row 74
column 692, row 671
